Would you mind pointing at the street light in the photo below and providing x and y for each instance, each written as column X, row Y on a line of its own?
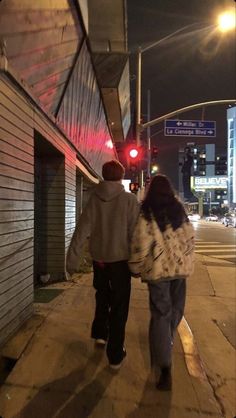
column 226, row 22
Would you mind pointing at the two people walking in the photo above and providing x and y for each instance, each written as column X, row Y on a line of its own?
column 154, row 242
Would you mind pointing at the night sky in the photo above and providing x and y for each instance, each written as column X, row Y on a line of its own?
column 194, row 66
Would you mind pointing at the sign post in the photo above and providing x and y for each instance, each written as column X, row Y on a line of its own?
column 190, row 128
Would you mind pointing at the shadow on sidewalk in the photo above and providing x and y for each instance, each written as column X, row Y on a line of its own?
column 55, row 400
column 153, row 403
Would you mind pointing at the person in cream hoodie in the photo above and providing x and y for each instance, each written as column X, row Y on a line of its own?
column 108, row 220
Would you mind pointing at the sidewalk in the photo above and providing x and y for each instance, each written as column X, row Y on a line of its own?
column 61, row 374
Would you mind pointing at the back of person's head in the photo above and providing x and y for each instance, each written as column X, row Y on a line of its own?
column 113, row 171
column 160, row 188
column 161, row 201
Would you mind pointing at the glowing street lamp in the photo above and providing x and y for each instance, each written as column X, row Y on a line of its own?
column 227, row 21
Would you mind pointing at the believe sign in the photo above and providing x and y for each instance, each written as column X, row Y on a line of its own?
column 204, row 128
column 217, row 182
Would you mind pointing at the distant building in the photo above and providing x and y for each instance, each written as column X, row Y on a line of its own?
column 231, row 118
column 208, row 175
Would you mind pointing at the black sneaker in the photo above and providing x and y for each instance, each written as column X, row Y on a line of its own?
column 117, row 366
column 165, row 381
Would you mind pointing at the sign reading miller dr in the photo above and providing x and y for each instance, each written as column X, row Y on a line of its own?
column 216, row 182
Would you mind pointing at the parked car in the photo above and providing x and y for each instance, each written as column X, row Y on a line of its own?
column 194, row 217
column 229, row 219
column 212, row 217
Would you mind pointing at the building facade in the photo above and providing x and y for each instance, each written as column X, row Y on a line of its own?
column 231, row 119
column 59, row 122
column 208, row 176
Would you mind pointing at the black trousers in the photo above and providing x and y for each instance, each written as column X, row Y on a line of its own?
column 112, row 282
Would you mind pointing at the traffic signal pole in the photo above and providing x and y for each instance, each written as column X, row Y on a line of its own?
column 138, row 97
column 138, row 108
column 185, row 109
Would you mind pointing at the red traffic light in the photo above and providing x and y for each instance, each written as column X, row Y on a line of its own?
column 155, row 150
column 133, row 153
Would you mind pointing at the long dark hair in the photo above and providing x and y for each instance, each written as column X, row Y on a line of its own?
column 161, row 202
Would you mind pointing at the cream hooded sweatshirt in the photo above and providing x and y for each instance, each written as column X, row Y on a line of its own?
column 108, row 220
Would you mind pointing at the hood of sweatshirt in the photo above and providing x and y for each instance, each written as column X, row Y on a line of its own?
column 108, row 190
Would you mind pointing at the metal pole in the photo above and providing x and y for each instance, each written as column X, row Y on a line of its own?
column 148, row 135
column 186, row 109
column 138, row 95
column 138, row 107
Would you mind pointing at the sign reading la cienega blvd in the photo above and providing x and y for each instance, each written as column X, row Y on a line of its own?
column 216, row 182
column 204, row 128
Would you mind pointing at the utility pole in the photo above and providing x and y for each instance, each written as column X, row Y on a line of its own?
column 148, row 135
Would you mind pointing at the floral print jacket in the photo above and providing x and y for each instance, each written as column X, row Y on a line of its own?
column 157, row 255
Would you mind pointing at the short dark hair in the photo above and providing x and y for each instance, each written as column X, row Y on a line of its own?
column 113, row 171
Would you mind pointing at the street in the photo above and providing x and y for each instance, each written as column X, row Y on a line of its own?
column 76, row 381
column 215, row 240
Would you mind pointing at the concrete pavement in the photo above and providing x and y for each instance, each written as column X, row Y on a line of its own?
column 59, row 372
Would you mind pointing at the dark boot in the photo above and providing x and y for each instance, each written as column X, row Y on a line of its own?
column 165, row 381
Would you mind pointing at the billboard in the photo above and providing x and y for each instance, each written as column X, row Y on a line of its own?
column 203, row 183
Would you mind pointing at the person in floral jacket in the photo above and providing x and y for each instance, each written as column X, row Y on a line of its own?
column 162, row 252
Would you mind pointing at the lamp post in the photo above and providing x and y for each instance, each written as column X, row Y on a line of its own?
column 139, row 76
column 139, row 95
column 226, row 22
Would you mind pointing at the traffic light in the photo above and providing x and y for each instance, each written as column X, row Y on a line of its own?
column 133, row 157
column 154, row 153
column 133, row 153
column 154, row 168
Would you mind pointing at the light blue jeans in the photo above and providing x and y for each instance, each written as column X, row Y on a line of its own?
column 167, row 301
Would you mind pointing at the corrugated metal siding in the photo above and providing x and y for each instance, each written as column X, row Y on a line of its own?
column 82, row 114
column 16, row 210
column 42, row 38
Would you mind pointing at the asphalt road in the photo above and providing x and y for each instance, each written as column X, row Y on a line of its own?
column 216, row 240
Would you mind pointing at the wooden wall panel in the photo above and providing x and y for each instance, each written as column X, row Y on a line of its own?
column 70, row 196
column 49, row 224
column 16, row 209
column 21, row 123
